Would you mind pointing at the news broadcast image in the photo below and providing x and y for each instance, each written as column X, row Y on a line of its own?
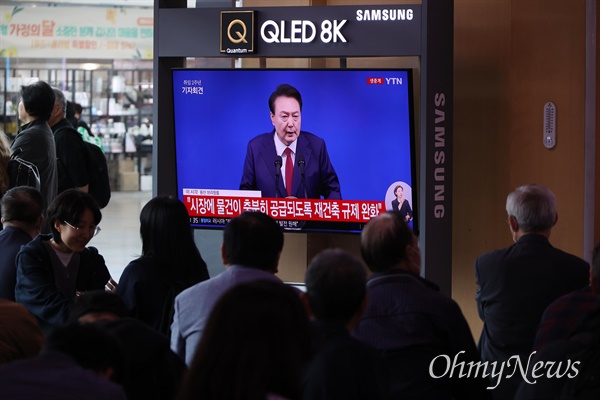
column 365, row 118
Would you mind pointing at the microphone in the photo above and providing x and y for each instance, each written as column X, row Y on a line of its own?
column 278, row 162
column 302, row 165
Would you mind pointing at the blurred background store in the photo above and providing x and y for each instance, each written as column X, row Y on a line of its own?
column 99, row 53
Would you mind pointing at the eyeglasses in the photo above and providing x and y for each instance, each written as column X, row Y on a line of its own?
column 94, row 230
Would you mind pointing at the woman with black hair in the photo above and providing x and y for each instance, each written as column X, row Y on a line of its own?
column 170, row 263
column 53, row 269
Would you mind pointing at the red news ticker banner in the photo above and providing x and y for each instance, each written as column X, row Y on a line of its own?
column 291, row 209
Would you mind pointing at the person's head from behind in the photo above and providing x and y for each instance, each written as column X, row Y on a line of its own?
column 37, row 102
column 252, row 239
column 23, row 207
column 399, row 192
column 256, row 343
column 166, row 233
column 531, row 208
column 285, row 105
column 78, row 110
column 91, row 346
column 74, row 217
column 387, row 242
column 20, row 334
column 71, row 111
column 336, row 286
column 59, row 111
column 97, row 305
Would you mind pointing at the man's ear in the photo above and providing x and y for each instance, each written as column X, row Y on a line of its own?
column 556, row 219
column 107, row 373
column 593, row 282
column 57, row 225
column 514, row 225
column 276, row 266
column 223, row 254
column 306, row 303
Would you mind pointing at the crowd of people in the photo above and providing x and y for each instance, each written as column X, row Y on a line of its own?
column 368, row 327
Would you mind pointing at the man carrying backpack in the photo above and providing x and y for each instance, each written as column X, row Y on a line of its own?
column 71, row 153
column 80, row 164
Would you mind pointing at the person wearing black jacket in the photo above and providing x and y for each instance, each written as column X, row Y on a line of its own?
column 53, row 269
column 34, row 142
column 70, row 149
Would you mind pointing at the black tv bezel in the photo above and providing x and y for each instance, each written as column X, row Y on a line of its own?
column 353, row 227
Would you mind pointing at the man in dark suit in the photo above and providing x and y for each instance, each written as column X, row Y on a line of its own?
column 289, row 162
column 22, row 217
column 413, row 325
column 516, row 284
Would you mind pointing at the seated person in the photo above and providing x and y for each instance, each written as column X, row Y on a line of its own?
column 252, row 244
column 22, row 216
column 342, row 367
column 53, row 269
column 76, row 363
column 20, row 334
column 409, row 321
column 146, row 352
column 255, row 346
column 170, row 263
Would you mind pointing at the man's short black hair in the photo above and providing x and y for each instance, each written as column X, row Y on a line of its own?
column 284, row 90
column 38, row 100
column 253, row 239
column 90, row 345
column 98, row 301
column 71, row 110
column 335, row 285
column 22, row 204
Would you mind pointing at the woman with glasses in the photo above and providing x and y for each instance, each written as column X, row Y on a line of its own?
column 53, row 269
column 170, row 263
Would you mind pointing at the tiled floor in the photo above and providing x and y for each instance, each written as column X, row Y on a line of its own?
column 119, row 241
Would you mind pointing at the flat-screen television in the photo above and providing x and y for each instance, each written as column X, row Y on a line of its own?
column 353, row 155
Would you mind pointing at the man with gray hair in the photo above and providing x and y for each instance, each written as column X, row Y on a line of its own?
column 517, row 283
column 70, row 149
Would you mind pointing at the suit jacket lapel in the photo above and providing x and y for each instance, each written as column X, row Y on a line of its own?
column 302, row 149
column 268, row 154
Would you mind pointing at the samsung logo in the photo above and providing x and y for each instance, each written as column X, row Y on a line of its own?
column 393, row 14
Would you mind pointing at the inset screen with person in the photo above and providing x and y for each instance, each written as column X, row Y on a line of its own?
column 400, row 203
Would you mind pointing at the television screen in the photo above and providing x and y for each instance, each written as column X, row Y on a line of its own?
column 351, row 142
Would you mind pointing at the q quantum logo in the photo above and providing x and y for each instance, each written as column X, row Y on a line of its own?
column 237, row 32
